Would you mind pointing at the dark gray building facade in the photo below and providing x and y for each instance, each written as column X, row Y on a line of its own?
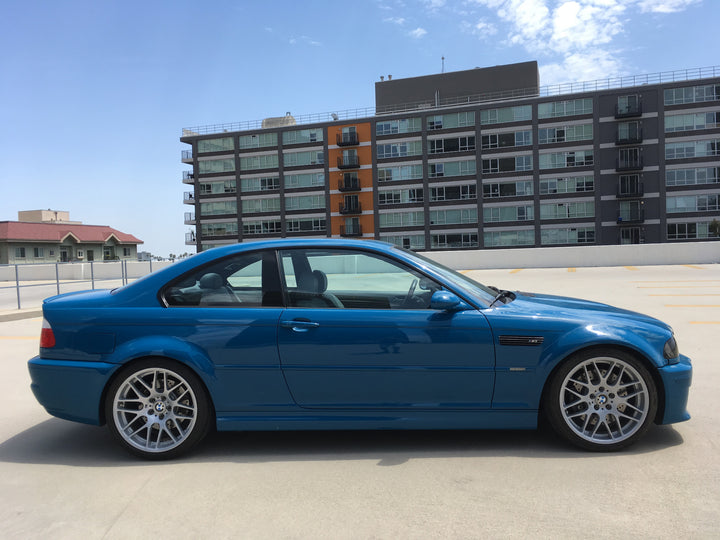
column 478, row 159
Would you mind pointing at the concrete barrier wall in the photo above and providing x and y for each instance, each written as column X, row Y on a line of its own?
column 79, row 271
column 559, row 257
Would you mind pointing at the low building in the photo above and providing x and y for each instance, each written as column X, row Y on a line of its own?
column 47, row 236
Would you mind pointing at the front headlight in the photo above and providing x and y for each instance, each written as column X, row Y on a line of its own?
column 671, row 351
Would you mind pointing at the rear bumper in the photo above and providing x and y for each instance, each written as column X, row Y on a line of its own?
column 676, row 380
column 70, row 390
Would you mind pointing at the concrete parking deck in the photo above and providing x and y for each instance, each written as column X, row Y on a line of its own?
column 65, row 480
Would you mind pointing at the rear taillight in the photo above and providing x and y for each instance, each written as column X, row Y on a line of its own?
column 47, row 338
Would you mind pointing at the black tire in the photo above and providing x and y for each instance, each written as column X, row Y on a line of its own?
column 601, row 400
column 158, row 409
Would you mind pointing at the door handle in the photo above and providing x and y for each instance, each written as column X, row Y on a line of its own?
column 299, row 325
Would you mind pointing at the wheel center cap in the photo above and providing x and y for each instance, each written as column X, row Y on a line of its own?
column 601, row 399
column 159, row 407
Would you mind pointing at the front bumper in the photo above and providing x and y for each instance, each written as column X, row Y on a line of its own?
column 676, row 380
column 70, row 390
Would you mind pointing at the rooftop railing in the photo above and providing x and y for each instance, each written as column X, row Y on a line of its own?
column 543, row 91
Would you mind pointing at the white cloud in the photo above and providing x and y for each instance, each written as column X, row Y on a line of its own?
column 395, row 20
column 417, row 33
column 484, row 28
column 579, row 33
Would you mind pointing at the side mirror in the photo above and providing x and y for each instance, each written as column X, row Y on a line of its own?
column 446, row 301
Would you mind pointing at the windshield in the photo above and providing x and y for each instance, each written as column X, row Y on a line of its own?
column 462, row 282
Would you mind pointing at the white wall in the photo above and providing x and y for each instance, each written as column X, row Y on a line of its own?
column 559, row 257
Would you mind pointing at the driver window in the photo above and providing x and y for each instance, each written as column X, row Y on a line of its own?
column 247, row 280
column 352, row 279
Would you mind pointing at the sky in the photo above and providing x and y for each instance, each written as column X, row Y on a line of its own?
column 94, row 94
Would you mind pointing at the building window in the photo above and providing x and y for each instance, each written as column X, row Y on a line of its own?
column 456, row 144
column 397, row 174
column 306, row 225
column 451, row 168
column 560, row 160
column 582, row 132
column 223, row 144
column 691, row 149
column 454, row 241
column 571, row 184
column 258, row 140
column 299, row 159
column 402, row 149
column 453, row 193
column 266, row 161
column 497, row 214
column 262, row 227
column 508, row 139
column 303, row 136
column 217, row 229
column 508, row 189
column 453, row 216
column 410, row 241
column 211, row 188
column 571, row 107
column 569, row 235
column 568, row 210
column 689, row 231
column 264, row 183
column 307, row 180
column 218, row 208
column 525, row 237
column 304, row 202
column 693, row 176
column 692, row 94
column 402, row 219
column 509, row 164
column 400, row 196
column 453, row 120
column 691, row 122
column 693, row 203
column 19, row 252
column 211, row 166
column 506, row 114
column 403, row 125
column 38, row 253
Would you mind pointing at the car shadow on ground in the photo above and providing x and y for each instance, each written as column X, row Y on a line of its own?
column 63, row 443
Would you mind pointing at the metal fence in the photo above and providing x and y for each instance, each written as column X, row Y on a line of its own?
column 27, row 285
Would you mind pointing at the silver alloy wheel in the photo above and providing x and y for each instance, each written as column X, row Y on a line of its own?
column 155, row 410
column 604, row 400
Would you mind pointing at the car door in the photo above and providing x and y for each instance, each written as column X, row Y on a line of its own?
column 359, row 333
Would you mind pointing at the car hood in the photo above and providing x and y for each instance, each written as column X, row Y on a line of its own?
column 575, row 309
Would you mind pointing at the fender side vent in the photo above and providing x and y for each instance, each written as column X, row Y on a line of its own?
column 521, row 341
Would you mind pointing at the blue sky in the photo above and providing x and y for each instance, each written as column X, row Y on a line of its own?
column 94, row 94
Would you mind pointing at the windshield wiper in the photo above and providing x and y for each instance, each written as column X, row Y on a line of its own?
column 502, row 295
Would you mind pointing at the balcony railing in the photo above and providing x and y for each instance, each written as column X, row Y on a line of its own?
column 349, row 184
column 629, row 110
column 347, row 139
column 187, row 156
column 608, row 83
column 629, row 164
column 190, row 238
column 351, row 230
column 632, row 216
column 348, row 162
column 631, row 192
column 189, row 197
column 188, row 177
column 189, row 218
column 629, row 138
column 353, row 208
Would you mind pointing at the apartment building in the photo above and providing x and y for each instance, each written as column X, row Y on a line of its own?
column 476, row 159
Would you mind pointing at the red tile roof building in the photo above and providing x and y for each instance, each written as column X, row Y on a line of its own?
column 22, row 242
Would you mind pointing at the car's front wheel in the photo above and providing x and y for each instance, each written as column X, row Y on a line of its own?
column 601, row 400
column 157, row 409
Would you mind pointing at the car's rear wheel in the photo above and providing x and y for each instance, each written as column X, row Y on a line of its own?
column 601, row 400
column 157, row 409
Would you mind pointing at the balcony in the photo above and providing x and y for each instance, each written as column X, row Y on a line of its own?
column 347, row 139
column 348, row 184
column 189, row 197
column 188, row 177
column 628, row 110
column 632, row 192
column 351, row 230
column 190, row 238
column 189, row 218
column 187, row 156
column 632, row 164
column 631, row 216
column 353, row 208
column 348, row 162
column 629, row 138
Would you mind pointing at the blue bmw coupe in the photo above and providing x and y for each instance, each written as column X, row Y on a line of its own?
column 333, row 334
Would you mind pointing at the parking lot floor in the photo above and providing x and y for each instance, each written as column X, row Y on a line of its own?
column 64, row 480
